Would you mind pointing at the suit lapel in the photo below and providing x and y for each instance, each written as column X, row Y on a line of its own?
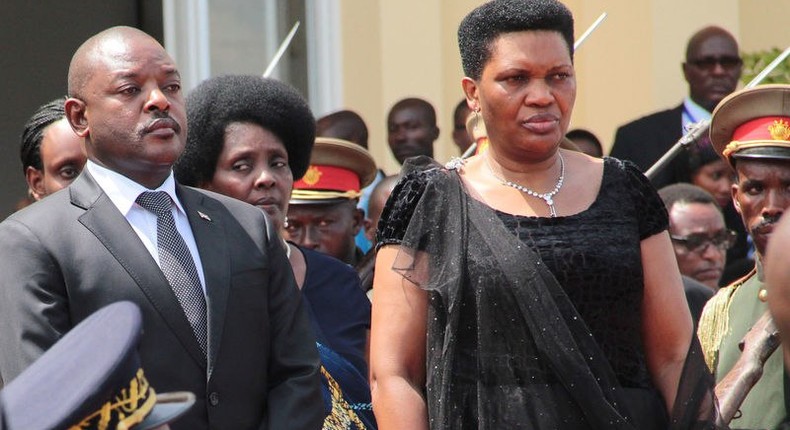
column 104, row 220
column 207, row 226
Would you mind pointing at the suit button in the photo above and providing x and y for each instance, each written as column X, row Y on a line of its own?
column 213, row 398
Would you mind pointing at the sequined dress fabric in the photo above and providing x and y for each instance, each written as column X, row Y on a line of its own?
column 533, row 322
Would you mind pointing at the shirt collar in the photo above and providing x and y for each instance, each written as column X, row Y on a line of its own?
column 123, row 191
column 695, row 111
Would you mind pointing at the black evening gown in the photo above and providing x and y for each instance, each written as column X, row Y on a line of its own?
column 535, row 322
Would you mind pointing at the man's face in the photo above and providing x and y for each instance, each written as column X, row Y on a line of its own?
column 62, row 159
column 410, row 133
column 761, row 195
column 712, row 70
column 697, row 230
column 327, row 228
column 132, row 113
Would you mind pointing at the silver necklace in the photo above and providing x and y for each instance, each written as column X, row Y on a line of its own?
column 547, row 197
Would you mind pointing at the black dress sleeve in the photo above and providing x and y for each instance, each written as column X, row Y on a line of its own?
column 401, row 205
column 650, row 210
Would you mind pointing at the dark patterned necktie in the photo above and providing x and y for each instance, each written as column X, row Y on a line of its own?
column 177, row 264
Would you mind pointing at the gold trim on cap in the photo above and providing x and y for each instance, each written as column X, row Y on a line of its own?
column 324, row 195
column 125, row 410
column 736, row 146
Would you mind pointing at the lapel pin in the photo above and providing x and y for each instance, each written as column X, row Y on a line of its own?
column 204, row 216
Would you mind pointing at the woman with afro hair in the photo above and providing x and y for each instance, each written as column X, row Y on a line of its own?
column 250, row 138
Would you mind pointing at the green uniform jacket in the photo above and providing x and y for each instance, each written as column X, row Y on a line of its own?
column 764, row 406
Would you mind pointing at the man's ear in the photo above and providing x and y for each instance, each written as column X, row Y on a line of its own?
column 359, row 220
column 734, row 189
column 75, row 114
column 35, row 182
column 686, row 67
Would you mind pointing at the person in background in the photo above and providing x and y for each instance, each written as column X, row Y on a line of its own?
column 366, row 267
column 461, row 138
column 586, row 141
column 343, row 124
column 700, row 241
column 248, row 139
column 698, row 233
column 713, row 174
column 52, row 154
column 323, row 213
column 777, row 281
column 750, row 129
column 484, row 315
column 348, row 125
column 411, row 128
column 711, row 69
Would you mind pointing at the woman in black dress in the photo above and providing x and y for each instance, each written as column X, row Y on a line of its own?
column 544, row 279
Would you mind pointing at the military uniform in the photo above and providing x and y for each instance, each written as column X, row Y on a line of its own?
column 751, row 125
column 725, row 321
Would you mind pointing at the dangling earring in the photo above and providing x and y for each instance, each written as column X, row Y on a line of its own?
column 477, row 120
column 285, row 222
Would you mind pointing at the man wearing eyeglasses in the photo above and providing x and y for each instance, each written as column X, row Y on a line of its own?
column 699, row 235
column 712, row 69
column 750, row 129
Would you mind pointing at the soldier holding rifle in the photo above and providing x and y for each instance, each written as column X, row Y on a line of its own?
column 751, row 130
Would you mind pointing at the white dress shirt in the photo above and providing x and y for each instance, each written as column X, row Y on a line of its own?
column 123, row 192
column 693, row 113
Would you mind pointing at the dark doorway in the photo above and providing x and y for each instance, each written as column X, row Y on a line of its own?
column 37, row 39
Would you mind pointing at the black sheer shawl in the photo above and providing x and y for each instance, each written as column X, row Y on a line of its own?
column 506, row 348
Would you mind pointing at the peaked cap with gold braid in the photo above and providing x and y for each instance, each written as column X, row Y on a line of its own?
column 91, row 379
column 753, row 124
column 338, row 171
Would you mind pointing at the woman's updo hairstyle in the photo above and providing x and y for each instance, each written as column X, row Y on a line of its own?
column 482, row 26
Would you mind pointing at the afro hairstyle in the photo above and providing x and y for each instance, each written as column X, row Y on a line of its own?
column 220, row 101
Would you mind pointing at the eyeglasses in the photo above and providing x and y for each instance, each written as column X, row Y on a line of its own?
column 699, row 242
column 709, row 63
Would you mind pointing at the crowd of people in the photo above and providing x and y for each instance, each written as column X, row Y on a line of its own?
column 270, row 275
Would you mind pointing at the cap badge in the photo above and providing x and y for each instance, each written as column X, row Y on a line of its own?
column 312, row 176
column 780, row 130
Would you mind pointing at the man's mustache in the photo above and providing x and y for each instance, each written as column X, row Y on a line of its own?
column 161, row 119
column 767, row 221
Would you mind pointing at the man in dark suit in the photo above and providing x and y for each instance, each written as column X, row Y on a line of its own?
column 222, row 317
column 712, row 69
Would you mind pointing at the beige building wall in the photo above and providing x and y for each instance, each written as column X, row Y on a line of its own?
column 629, row 67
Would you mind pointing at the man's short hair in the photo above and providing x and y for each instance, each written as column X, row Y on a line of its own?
column 685, row 193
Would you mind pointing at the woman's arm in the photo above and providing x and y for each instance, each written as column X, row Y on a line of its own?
column 397, row 351
column 666, row 319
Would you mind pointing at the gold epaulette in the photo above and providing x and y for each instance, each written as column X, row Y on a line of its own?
column 714, row 321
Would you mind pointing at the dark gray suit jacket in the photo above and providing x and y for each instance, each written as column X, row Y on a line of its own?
column 72, row 253
column 645, row 140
